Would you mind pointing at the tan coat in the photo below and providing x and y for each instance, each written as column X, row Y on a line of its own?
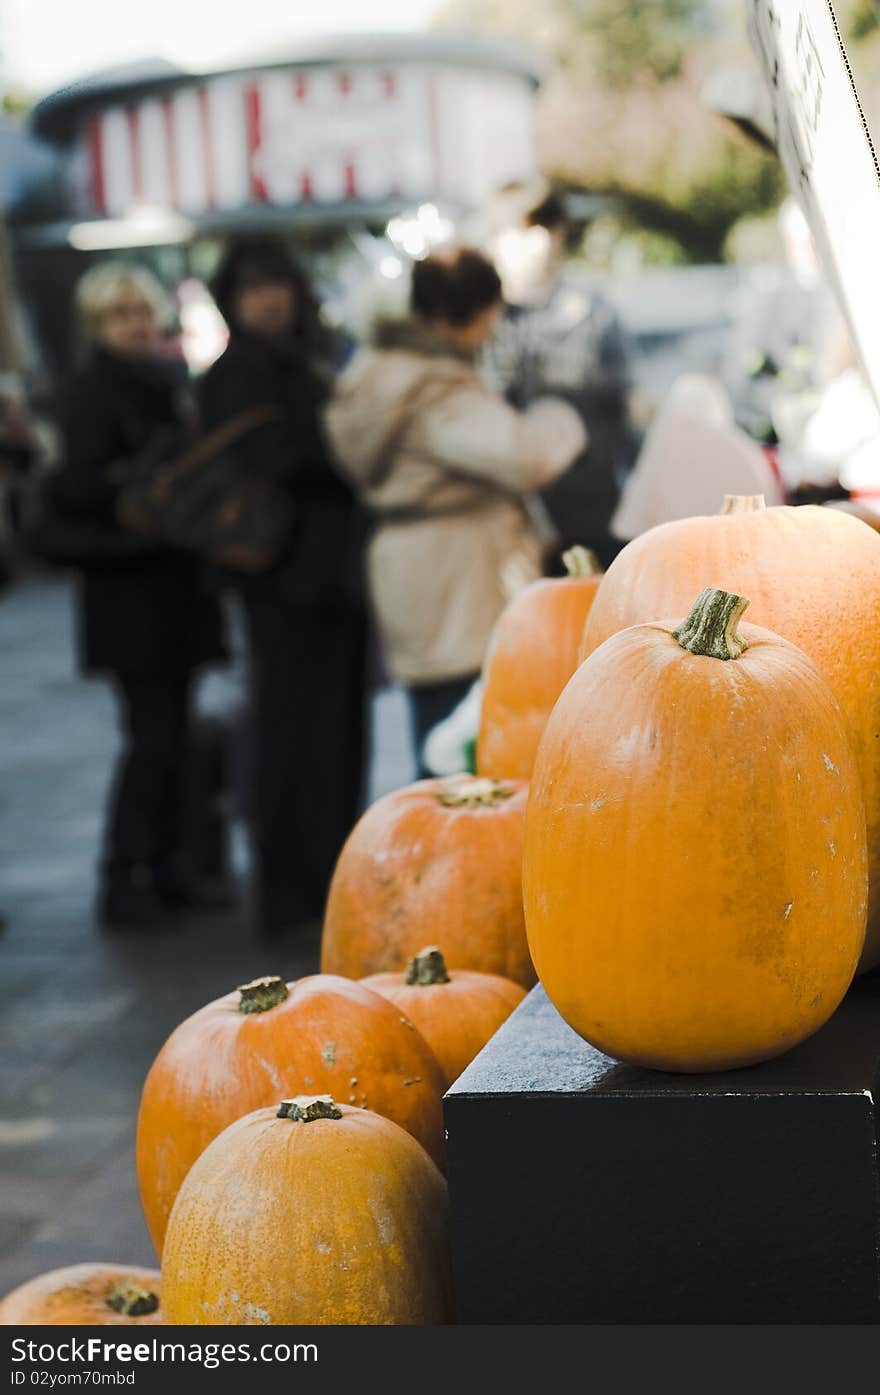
column 443, row 462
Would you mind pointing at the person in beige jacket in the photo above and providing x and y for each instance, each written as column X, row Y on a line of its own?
column 444, row 465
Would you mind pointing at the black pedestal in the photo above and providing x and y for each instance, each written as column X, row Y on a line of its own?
column 585, row 1191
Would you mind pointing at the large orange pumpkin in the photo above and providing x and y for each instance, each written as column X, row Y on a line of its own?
column 311, row 1213
column 85, row 1295
column 811, row 574
column 457, row 1013
column 437, row 861
column 532, row 655
column 695, row 874
column 270, row 1038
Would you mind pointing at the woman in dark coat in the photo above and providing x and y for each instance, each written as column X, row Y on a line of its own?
column 143, row 616
column 306, row 617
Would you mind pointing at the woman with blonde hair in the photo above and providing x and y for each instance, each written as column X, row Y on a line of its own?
column 144, row 619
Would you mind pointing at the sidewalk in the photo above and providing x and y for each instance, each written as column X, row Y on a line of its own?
column 82, row 1014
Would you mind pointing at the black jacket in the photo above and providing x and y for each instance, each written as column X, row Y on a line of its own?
column 323, row 565
column 147, row 616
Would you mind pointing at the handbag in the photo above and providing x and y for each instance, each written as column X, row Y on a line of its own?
column 207, row 500
column 65, row 539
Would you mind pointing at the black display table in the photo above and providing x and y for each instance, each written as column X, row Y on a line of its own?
column 585, row 1191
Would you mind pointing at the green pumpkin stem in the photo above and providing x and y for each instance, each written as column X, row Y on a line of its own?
column 474, row 793
column 711, row 627
column 743, row 503
column 427, row 967
column 581, row 561
column 132, row 1301
column 261, row 994
column 304, row 1109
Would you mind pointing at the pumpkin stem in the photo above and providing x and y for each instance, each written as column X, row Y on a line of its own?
column 581, row 561
column 132, row 1301
column 710, row 629
column 303, row 1109
column 261, row 994
column 474, row 794
column 743, row 503
column 427, row 967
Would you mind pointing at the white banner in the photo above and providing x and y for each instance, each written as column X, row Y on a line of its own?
column 827, row 151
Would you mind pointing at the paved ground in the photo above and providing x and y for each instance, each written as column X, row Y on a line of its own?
column 82, row 1014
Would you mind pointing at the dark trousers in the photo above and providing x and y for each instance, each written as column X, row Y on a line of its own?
column 308, row 751
column 429, row 704
column 145, row 836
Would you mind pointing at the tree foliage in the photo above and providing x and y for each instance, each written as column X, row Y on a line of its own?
column 615, row 40
column 862, row 21
column 622, row 112
column 627, row 38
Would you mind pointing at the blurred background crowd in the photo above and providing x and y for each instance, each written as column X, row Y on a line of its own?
column 312, row 356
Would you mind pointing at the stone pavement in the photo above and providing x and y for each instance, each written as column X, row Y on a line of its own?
column 82, row 1014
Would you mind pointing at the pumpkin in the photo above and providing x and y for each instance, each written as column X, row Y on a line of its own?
column 85, row 1295
column 310, row 1213
column 695, row 871
column 532, row 654
column 269, row 1037
column 811, row 574
column 440, row 860
column 455, row 1014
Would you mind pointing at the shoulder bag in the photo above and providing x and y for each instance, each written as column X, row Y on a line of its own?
column 209, row 501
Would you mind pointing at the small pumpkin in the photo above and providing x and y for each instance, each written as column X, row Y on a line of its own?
column 812, row 575
column 532, row 654
column 86, row 1295
column 440, row 860
column 457, row 1013
column 695, row 874
column 320, row 1033
column 310, row 1213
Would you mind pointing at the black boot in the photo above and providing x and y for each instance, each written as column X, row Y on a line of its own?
column 196, row 897
column 128, row 901
column 180, row 888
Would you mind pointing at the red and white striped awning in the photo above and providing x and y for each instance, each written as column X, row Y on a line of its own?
column 313, row 134
column 317, row 134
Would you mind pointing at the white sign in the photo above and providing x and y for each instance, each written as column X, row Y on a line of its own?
column 828, row 155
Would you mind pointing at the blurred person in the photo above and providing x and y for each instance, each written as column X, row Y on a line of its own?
column 306, row 617
column 562, row 338
column 829, row 440
column 19, row 449
column 144, row 618
column 783, row 339
column 443, row 463
column 693, row 455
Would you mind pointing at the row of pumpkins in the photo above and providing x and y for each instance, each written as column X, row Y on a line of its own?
column 290, row 1156
column 674, row 821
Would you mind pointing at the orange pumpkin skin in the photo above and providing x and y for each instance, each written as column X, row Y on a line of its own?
column 86, row 1295
column 811, row 575
column 456, row 1016
column 533, row 653
column 416, row 870
column 695, row 874
column 329, row 1034
column 335, row 1221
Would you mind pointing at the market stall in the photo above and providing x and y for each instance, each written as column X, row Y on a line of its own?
column 325, row 143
